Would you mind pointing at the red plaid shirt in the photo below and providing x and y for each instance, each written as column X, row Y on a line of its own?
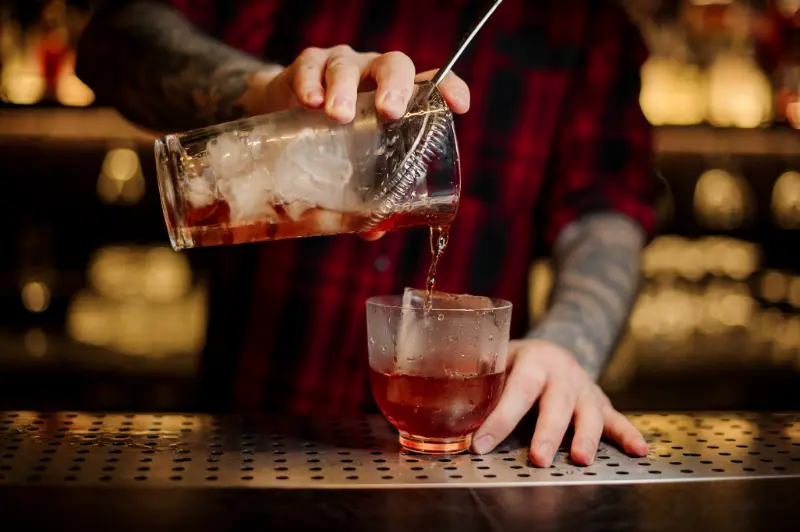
column 555, row 131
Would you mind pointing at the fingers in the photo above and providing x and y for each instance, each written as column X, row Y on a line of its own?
column 555, row 413
column 454, row 90
column 588, row 428
column 620, row 430
column 332, row 77
column 342, row 76
column 394, row 73
column 525, row 383
column 308, row 71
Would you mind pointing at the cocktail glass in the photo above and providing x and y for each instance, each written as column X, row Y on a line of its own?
column 436, row 373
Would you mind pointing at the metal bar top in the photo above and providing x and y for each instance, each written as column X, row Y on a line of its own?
column 705, row 471
column 147, row 450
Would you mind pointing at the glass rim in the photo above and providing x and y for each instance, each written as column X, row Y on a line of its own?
column 395, row 301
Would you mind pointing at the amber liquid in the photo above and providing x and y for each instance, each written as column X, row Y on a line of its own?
column 212, row 226
column 440, row 236
column 436, row 407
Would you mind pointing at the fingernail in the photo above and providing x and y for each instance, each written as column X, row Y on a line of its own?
column 544, row 451
column 461, row 96
column 342, row 106
column 393, row 102
column 589, row 449
column 314, row 97
column 483, row 444
column 643, row 448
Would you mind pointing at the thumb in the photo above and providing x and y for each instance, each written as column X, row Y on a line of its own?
column 524, row 385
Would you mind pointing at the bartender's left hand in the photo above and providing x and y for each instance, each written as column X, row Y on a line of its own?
column 545, row 372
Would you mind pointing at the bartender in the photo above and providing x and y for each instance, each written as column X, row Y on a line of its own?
column 556, row 157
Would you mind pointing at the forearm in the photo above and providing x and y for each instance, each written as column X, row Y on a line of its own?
column 597, row 278
column 162, row 73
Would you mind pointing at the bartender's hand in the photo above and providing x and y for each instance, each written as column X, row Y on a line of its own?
column 544, row 372
column 330, row 78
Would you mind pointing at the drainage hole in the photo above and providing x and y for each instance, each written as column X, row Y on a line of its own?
column 456, row 476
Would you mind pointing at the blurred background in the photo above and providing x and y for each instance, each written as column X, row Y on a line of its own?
column 96, row 312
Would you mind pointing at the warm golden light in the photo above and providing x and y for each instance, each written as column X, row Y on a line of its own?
column 36, row 296
column 35, row 342
column 70, row 90
column 142, row 302
column 21, row 82
column 774, row 286
column 673, row 93
column 722, row 200
column 739, row 93
column 786, row 200
column 541, row 283
column 121, row 179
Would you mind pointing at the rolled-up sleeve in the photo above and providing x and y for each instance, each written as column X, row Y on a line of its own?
column 602, row 157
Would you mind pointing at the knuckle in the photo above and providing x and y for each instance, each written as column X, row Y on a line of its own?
column 396, row 56
column 531, row 381
column 312, row 52
column 342, row 49
column 341, row 63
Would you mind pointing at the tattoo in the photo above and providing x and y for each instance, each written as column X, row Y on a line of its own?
column 597, row 279
column 163, row 73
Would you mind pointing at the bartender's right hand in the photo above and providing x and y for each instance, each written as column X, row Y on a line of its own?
column 330, row 78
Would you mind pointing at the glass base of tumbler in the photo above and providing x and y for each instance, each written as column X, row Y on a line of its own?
column 421, row 445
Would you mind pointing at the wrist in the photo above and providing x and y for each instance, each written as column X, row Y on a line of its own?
column 574, row 339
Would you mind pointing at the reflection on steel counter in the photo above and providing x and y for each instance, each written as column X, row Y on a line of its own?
column 201, row 450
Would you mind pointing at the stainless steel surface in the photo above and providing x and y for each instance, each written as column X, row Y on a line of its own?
column 201, row 450
column 442, row 73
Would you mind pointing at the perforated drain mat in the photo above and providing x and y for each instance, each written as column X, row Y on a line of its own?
column 199, row 450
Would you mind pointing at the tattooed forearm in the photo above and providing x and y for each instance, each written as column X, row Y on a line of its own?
column 597, row 277
column 162, row 73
